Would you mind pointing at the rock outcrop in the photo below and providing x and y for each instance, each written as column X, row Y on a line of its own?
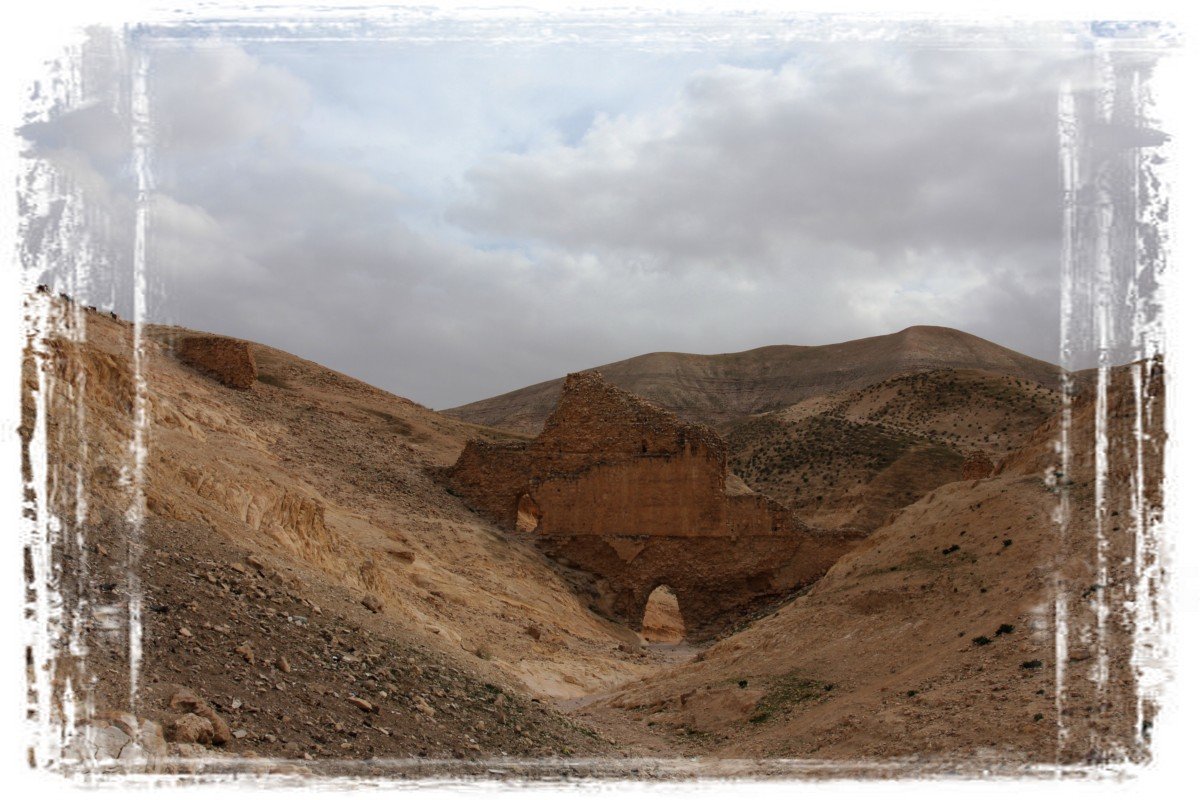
column 628, row 492
column 228, row 360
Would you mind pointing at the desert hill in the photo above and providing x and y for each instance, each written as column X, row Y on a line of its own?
column 721, row 388
column 855, row 457
column 308, row 588
column 936, row 636
column 295, row 522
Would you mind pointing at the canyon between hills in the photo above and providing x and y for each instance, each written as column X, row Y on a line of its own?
column 907, row 554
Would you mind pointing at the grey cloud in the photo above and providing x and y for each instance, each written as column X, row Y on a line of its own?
column 93, row 129
column 209, row 95
column 845, row 195
column 936, row 149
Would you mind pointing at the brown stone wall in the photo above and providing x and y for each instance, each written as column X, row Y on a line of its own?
column 491, row 477
column 718, row 582
column 595, row 422
column 627, row 492
column 655, row 496
column 228, row 360
column 977, row 465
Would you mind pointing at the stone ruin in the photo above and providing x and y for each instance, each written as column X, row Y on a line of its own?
column 637, row 498
column 977, row 465
column 230, row 361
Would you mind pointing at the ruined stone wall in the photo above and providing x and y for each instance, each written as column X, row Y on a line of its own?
column 626, row 491
column 228, row 360
column 655, row 496
column 977, row 465
column 609, row 463
column 718, row 582
column 757, row 515
column 595, row 422
column 491, row 477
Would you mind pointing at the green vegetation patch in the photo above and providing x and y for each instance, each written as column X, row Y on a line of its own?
column 815, row 451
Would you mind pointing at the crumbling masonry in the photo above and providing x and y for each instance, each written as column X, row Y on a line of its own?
column 626, row 491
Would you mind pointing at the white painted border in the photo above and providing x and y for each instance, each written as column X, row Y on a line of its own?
column 54, row 28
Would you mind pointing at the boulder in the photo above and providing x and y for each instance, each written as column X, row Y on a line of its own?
column 191, row 729
column 117, row 736
column 187, row 700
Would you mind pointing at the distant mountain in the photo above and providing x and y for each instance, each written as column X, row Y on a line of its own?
column 722, row 388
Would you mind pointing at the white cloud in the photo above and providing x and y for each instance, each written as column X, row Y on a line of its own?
column 752, row 164
column 209, row 95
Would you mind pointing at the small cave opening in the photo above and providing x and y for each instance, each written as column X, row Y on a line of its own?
column 529, row 516
column 662, row 622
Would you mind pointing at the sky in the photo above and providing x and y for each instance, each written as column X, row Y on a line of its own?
column 454, row 219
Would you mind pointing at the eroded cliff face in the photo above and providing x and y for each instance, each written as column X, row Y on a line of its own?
column 638, row 498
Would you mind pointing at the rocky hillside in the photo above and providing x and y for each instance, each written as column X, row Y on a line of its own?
column 302, row 585
column 854, row 458
column 722, row 388
column 936, row 637
column 295, row 522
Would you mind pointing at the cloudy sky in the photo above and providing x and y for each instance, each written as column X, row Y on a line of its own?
column 450, row 220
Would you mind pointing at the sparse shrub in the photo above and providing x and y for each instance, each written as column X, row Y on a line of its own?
column 787, row 692
column 1032, row 664
column 981, row 640
column 951, row 549
column 1003, row 629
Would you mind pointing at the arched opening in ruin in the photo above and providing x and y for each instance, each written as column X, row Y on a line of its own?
column 528, row 514
column 662, row 622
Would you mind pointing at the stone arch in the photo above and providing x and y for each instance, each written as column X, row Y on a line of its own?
column 662, row 619
column 529, row 514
